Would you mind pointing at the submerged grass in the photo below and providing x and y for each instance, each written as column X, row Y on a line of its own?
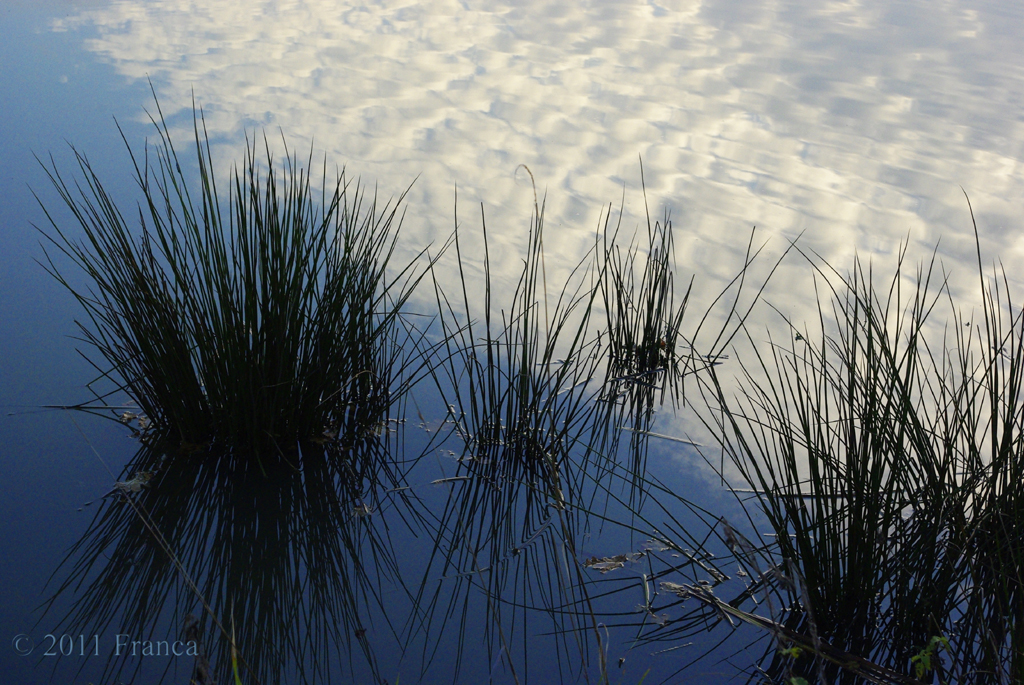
column 254, row 324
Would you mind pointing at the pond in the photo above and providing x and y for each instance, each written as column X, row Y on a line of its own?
column 845, row 129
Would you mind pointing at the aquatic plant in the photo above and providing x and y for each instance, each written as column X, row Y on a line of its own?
column 281, row 324
column 522, row 409
column 881, row 466
column 538, row 394
column 888, row 460
column 255, row 323
column 647, row 353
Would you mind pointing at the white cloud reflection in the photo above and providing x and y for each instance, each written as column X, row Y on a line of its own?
column 852, row 122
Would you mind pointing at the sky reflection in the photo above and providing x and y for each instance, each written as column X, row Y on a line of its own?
column 853, row 123
column 850, row 124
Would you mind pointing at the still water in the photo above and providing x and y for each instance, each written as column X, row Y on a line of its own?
column 851, row 126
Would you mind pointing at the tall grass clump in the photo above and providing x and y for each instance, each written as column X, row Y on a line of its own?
column 649, row 355
column 522, row 409
column 644, row 321
column 887, row 458
column 537, row 398
column 252, row 323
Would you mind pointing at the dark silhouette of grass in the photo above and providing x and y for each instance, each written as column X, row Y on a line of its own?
column 888, row 464
column 296, row 552
column 252, row 324
column 537, row 396
column 521, row 406
column 887, row 460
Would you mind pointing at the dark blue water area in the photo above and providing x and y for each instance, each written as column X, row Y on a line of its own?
column 77, row 450
column 50, row 471
column 46, row 468
column 40, row 115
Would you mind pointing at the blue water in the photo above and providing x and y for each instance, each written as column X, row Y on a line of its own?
column 855, row 128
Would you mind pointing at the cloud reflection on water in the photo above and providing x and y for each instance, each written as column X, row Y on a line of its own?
column 853, row 123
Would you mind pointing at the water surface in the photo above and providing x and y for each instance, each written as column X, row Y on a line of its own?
column 851, row 125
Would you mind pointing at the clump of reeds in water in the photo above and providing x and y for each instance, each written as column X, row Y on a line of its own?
column 649, row 355
column 883, row 468
column 516, row 381
column 538, row 396
column 644, row 320
column 889, row 464
column 254, row 323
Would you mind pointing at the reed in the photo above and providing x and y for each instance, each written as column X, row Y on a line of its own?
column 878, row 534
column 521, row 410
column 644, row 321
column 272, row 325
column 537, row 397
column 254, row 323
column 888, row 461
